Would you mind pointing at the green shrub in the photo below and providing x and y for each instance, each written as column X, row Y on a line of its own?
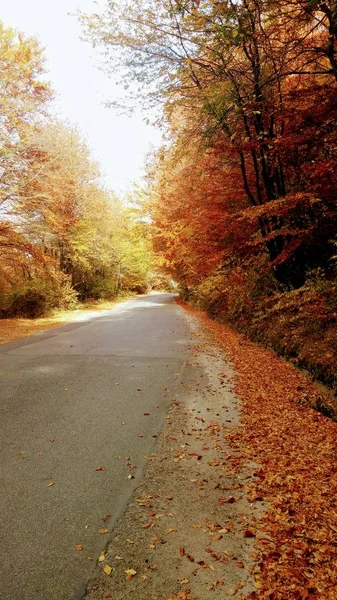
column 98, row 289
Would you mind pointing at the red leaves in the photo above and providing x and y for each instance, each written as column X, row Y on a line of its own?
column 230, row 500
column 249, row 533
column 297, row 477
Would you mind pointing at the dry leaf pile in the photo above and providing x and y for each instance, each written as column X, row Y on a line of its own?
column 296, row 450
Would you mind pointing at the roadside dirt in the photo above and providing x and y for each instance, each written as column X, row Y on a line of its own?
column 189, row 531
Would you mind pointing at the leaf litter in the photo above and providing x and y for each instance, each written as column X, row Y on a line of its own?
column 296, row 448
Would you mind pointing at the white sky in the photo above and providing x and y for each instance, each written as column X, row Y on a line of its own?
column 118, row 143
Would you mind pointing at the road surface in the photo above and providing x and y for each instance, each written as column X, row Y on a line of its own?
column 86, row 395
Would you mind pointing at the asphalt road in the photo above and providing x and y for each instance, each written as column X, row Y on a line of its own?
column 73, row 400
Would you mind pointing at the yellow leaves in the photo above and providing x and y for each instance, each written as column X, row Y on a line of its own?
column 51, row 483
column 144, row 501
column 103, row 531
column 234, row 591
column 130, row 573
column 107, row 570
column 101, row 557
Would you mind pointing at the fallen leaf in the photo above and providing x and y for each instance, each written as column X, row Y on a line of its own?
column 249, row 533
column 202, row 564
column 222, row 531
column 258, row 585
column 104, row 531
column 183, row 581
column 130, row 573
column 79, row 547
column 51, row 484
column 100, row 469
column 101, row 557
column 107, row 570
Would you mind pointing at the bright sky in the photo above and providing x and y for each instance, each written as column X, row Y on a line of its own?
column 118, row 143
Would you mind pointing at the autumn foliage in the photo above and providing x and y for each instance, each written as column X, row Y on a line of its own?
column 63, row 235
column 243, row 192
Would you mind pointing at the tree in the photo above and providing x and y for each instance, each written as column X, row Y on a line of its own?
column 233, row 71
column 23, row 98
column 66, row 211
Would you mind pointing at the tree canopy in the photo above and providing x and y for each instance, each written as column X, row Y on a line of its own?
column 63, row 235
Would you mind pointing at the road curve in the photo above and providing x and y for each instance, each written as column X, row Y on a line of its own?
column 84, row 396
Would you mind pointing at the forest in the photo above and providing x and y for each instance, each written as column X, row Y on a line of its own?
column 64, row 237
column 239, row 206
column 242, row 194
